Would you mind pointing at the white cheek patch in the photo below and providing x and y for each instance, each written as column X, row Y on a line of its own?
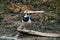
column 26, row 16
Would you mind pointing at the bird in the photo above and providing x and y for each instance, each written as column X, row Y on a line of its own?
column 26, row 18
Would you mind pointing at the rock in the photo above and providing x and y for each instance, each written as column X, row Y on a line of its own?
column 15, row 8
column 11, row 7
column 24, row 7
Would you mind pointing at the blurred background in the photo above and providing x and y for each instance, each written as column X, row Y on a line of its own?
column 11, row 12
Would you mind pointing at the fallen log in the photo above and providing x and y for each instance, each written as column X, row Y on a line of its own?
column 38, row 33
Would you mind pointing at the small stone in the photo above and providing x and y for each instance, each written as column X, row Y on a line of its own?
column 15, row 8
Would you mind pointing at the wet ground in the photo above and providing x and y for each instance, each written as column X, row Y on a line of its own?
column 9, row 24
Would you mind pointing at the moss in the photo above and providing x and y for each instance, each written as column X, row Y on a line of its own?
column 6, row 1
column 51, row 17
column 55, row 5
column 37, row 4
